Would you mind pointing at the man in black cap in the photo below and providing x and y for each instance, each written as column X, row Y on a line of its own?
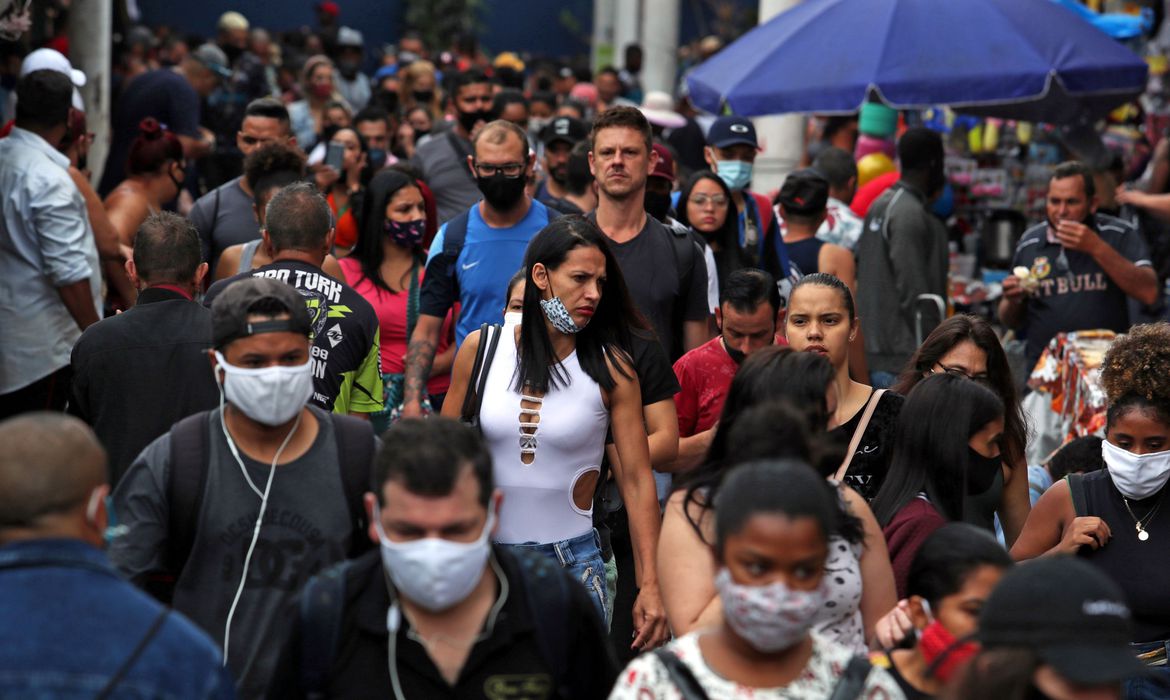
column 803, row 199
column 558, row 136
column 234, row 562
column 1073, row 618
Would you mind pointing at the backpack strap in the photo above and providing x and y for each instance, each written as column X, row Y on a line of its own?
column 355, row 453
column 322, row 608
column 680, row 675
column 851, row 684
column 546, row 589
column 855, row 441
column 190, row 449
column 685, row 250
column 1076, row 489
column 455, row 234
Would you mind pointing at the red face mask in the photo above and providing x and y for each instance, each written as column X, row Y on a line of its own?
column 943, row 653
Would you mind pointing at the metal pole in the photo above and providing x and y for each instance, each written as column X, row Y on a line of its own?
column 91, row 27
column 660, row 22
column 782, row 137
column 627, row 26
column 603, row 33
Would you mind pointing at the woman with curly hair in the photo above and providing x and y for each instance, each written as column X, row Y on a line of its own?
column 1114, row 518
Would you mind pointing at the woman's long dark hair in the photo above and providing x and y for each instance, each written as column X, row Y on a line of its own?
column 1003, row 673
column 370, row 220
column 770, row 375
column 931, row 444
column 942, row 340
column 607, row 335
column 729, row 257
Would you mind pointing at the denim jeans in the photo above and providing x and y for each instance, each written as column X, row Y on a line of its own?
column 581, row 558
column 1156, row 685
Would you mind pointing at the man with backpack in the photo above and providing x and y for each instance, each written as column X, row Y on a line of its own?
column 440, row 612
column 205, row 522
column 475, row 254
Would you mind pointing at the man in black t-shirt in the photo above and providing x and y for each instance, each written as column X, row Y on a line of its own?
column 346, row 351
column 1081, row 266
column 172, row 97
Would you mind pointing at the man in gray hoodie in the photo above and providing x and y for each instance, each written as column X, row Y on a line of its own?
column 901, row 255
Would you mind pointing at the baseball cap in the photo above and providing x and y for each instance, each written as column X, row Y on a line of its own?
column 1072, row 614
column 658, row 108
column 664, row 168
column 509, row 59
column 232, row 20
column 329, row 7
column 213, row 59
column 731, row 130
column 804, row 192
column 348, row 36
column 51, row 59
column 567, row 129
column 386, row 72
column 230, row 310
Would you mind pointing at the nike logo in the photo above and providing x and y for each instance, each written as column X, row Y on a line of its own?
column 468, row 266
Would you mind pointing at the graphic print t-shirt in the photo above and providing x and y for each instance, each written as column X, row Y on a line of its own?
column 346, row 349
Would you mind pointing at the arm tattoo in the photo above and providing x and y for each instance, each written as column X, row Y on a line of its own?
column 420, row 355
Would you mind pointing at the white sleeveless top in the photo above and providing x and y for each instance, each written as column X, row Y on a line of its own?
column 568, row 443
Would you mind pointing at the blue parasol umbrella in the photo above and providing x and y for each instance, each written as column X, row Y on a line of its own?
column 1019, row 59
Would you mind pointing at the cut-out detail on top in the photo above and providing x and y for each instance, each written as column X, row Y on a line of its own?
column 529, row 420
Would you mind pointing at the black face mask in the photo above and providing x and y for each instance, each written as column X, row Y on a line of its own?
column 502, row 193
column 657, row 204
column 348, row 69
column 232, row 52
column 423, row 96
column 981, row 471
column 467, row 120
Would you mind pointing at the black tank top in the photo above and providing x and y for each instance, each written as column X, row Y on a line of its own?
column 1142, row 569
column 806, row 254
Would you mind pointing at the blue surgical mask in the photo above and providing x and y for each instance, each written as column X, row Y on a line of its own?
column 736, row 174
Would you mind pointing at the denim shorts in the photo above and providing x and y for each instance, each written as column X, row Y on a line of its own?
column 581, row 557
column 1156, row 685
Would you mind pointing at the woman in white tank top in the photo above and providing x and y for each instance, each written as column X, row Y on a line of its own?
column 559, row 381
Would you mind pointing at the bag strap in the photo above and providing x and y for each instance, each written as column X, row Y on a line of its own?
column 190, row 447
column 322, row 607
column 684, row 259
column 851, row 684
column 681, row 676
column 355, row 454
column 455, row 234
column 477, row 383
column 412, row 299
column 855, row 441
column 1076, row 489
column 115, row 679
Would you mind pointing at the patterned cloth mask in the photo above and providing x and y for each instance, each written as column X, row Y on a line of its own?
column 771, row 618
column 556, row 313
column 407, row 234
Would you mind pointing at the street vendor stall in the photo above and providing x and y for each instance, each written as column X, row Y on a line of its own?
column 1067, row 400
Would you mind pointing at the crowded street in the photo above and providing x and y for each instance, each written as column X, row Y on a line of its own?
column 585, row 349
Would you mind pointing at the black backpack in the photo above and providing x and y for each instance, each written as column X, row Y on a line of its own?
column 190, row 447
column 322, row 611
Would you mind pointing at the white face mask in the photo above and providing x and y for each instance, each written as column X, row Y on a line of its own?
column 1136, row 476
column 771, row 618
column 269, row 395
column 435, row 573
column 513, row 318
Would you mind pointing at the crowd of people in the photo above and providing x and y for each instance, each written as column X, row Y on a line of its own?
column 550, row 392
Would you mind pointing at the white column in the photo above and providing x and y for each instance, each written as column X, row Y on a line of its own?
column 91, row 27
column 604, row 52
column 782, row 136
column 627, row 28
column 660, row 22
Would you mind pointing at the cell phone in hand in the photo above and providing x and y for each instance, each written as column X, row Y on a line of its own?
column 334, row 155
